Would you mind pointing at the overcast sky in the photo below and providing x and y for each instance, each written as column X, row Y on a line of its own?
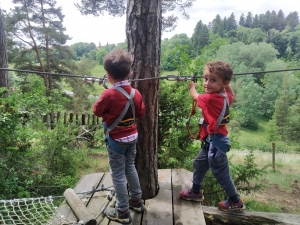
column 106, row 29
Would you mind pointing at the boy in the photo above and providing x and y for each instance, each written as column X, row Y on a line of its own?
column 119, row 105
column 215, row 143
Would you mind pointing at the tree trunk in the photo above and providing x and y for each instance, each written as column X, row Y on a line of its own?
column 49, row 78
column 3, row 55
column 143, row 31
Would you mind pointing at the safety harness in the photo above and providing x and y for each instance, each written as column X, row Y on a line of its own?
column 121, row 123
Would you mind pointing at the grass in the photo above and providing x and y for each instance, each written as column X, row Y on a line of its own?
column 98, row 71
column 251, row 138
column 280, row 185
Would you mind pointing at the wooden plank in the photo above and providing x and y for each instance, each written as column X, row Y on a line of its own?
column 185, row 212
column 86, row 183
column 159, row 209
column 100, row 199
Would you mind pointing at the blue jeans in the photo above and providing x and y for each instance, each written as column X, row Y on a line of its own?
column 122, row 168
column 211, row 157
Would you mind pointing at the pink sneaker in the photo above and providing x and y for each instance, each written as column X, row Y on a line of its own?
column 228, row 205
column 191, row 196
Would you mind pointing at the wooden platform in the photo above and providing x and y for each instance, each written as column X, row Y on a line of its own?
column 165, row 209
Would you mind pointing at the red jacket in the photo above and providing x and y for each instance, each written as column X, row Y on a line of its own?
column 111, row 104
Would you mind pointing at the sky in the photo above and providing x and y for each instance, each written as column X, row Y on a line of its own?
column 107, row 29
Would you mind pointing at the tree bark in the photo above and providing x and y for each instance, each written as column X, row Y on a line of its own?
column 143, row 31
column 3, row 55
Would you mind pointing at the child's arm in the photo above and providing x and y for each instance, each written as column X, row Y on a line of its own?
column 229, row 90
column 193, row 92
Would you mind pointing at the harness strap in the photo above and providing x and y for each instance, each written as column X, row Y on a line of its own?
column 226, row 104
column 129, row 103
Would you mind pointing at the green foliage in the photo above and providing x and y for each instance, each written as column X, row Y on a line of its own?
column 171, row 51
column 248, row 35
column 247, row 172
column 249, row 102
column 272, row 82
column 34, row 160
column 245, row 58
column 287, row 97
column 100, row 54
column 176, row 149
column 82, row 48
column 208, row 52
column 270, row 206
column 56, row 159
column 14, row 146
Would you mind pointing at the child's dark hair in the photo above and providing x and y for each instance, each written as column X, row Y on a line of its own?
column 222, row 68
column 118, row 63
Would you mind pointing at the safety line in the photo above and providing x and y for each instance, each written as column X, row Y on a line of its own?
column 169, row 77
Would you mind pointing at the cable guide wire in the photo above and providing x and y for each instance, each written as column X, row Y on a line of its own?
column 170, row 77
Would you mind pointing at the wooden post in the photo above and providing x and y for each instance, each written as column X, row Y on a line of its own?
column 65, row 118
column 78, row 207
column 273, row 155
column 71, row 117
column 76, row 116
column 88, row 120
column 57, row 116
column 83, row 119
column 94, row 120
column 52, row 120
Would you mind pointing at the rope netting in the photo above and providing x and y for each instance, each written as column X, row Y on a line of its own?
column 35, row 211
column 43, row 210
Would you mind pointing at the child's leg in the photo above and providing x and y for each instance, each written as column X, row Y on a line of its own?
column 201, row 166
column 131, row 173
column 117, row 170
column 219, row 166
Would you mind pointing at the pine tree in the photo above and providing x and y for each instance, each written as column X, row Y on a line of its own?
column 293, row 120
column 282, row 106
column 231, row 23
column 242, row 20
column 218, row 26
column 249, row 20
column 281, row 21
column 200, row 37
column 36, row 28
column 292, row 19
column 256, row 23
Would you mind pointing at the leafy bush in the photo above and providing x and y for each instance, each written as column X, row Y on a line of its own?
column 176, row 149
column 35, row 160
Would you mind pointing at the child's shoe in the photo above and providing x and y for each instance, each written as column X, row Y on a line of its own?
column 228, row 205
column 137, row 205
column 118, row 216
column 191, row 196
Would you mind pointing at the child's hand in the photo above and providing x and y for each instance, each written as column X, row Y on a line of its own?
column 192, row 85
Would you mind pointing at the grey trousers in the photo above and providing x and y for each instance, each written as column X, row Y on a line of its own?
column 122, row 169
column 211, row 157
